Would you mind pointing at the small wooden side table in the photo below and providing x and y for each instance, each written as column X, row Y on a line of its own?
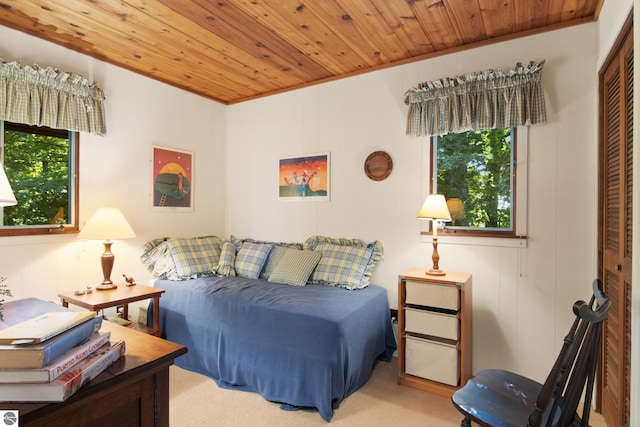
column 122, row 295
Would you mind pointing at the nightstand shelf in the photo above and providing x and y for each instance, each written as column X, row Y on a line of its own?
column 434, row 331
column 121, row 295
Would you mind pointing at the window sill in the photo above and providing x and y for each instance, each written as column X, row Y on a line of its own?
column 504, row 242
column 46, row 230
column 34, row 239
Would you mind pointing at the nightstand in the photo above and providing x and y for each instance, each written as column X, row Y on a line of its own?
column 122, row 295
column 434, row 330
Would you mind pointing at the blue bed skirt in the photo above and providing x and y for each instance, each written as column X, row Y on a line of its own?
column 305, row 347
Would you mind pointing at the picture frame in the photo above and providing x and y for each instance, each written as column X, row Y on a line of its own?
column 305, row 177
column 172, row 179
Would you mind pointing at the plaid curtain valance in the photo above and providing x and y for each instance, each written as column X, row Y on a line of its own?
column 49, row 97
column 477, row 101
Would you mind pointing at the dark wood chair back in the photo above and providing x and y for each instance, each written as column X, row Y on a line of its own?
column 501, row 398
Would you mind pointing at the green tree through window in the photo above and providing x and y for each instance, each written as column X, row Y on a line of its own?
column 40, row 165
column 474, row 172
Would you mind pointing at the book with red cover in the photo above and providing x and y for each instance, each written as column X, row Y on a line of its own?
column 68, row 383
column 59, row 366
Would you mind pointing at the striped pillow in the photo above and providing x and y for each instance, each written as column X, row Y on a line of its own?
column 251, row 258
column 295, row 267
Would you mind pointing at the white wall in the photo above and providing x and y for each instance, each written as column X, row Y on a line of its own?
column 612, row 16
column 115, row 170
column 522, row 296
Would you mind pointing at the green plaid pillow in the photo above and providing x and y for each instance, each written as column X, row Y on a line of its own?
column 193, row 257
column 251, row 258
column 295, row 267
column 227, row 259
column 347, row 263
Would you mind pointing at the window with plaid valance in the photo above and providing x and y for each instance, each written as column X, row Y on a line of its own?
column 477, row 101
column 39, row 96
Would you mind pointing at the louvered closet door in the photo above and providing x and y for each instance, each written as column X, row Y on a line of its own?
column 616, row 230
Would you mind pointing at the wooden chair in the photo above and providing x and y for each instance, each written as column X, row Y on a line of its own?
column 501, row 398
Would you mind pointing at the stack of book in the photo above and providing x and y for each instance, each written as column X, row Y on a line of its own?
column 47, row 357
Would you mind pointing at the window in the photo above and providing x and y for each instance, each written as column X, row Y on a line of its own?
column 42, row 167
column 476, row 172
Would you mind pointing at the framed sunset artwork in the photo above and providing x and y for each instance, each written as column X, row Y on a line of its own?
column 304, row 178
column 172, row 179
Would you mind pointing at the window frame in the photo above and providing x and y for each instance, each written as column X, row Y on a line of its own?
column 74, row 181
column 519, row 194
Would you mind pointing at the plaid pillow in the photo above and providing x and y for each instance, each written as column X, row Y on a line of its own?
column 154, row 256
column 295, row 267
column 227, row 259
column 151, row 251
column 347, row 263
column 251, row 258
column 276, row 254
column 193, row 257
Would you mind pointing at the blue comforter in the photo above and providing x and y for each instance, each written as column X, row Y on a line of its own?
column 309, row 346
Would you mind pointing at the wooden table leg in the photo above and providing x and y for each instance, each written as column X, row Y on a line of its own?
column 156, row 316
column 161, row 389
column 65, row 303
column 125, row 311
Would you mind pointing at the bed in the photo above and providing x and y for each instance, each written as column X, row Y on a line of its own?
column 303, row 346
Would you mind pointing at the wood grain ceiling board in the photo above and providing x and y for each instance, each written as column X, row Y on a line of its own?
column 235, row 50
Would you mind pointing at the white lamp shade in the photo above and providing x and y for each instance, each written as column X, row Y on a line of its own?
column 107, row 224
column 6, row 193
column 435, row 208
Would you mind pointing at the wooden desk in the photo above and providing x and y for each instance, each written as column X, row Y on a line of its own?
column 134, row 391
column 122, row 295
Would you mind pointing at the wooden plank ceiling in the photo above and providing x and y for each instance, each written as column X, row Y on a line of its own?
column 235, row 50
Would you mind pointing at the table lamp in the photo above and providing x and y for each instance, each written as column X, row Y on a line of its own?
column 107, row 224
column 435, row 209
column 6, row 193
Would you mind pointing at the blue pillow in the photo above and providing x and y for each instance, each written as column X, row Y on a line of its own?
column 251, row 258
column 274, row 256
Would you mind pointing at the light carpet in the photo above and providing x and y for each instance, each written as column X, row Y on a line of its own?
column 196, row 400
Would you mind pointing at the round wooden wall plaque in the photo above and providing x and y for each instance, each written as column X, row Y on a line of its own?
column 378, row 165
